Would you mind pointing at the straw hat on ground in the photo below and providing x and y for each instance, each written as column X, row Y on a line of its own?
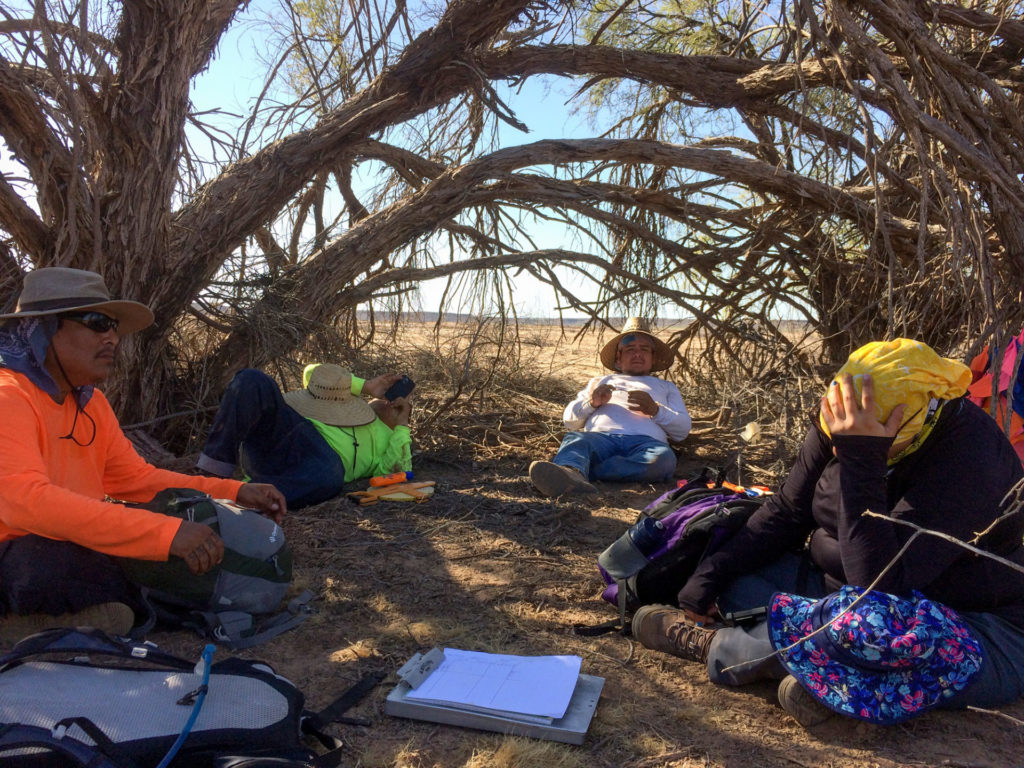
column 327, row 397
column 55, row 290
column 662, row 351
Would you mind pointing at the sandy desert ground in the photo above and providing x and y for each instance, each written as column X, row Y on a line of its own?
column 489, row 565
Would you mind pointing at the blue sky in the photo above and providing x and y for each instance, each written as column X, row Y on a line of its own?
column 234, row 78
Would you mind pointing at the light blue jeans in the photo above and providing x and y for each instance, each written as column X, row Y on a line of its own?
column 605, row 456
column 748, row 655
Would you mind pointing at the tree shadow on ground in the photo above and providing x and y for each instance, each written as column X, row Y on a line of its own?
column 488, row 565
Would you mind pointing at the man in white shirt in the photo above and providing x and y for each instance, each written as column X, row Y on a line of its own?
column 619, row 424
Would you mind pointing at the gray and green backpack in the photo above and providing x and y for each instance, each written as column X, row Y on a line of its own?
column 235, row 603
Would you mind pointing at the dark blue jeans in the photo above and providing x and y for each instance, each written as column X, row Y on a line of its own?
column 278, row 445
column 40, row 575
column 606, row 456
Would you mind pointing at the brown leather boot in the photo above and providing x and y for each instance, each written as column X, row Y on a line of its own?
column 664, row 628
column 555, row 480
column 112, row 618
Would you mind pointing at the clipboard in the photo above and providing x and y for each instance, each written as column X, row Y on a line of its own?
column 571, row 728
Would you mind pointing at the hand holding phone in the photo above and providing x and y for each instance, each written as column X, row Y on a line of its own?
column 400, row 388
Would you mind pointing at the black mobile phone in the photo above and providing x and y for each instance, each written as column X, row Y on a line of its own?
column 751, row 616
column 400, row 388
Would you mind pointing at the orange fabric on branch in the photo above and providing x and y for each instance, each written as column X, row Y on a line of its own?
column 980, row 391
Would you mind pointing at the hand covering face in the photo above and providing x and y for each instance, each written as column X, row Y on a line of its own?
column 904, row 372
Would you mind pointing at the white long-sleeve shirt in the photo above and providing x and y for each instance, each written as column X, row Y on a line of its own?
column 671, row 422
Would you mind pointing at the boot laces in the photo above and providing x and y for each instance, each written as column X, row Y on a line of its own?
column 691, row 640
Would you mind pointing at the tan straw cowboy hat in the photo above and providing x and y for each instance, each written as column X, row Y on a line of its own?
column 662, row 352
column 55, row 290
column 327, row 397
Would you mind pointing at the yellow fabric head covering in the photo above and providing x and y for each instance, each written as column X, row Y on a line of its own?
column 905, row 372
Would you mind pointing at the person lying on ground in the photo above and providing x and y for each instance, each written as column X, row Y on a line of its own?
column 619, row 425
column 895, row 436
column 64, row 458
column 311, row 441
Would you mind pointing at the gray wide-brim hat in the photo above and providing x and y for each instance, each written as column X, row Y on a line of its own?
column 327, row 397
column 55, row 290
column 662, row 352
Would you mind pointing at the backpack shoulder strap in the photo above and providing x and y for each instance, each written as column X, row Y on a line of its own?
column 237, row 630
column 622, row 625
column 89, row 641
column 314, row 722
column 104, row 745
column 596, row 630
column 15, row 738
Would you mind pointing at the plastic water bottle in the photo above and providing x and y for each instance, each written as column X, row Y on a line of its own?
column 647, row 535
column 629, row 553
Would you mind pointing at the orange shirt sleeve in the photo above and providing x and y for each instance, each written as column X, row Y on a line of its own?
column 54, row 487
column 127, row 476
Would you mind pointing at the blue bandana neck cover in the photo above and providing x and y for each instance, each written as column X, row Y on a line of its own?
column 23, row 345
column 871, row 655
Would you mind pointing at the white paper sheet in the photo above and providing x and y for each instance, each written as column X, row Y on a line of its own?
column 540, row 686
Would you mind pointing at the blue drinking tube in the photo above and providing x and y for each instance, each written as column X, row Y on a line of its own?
column 200, row 698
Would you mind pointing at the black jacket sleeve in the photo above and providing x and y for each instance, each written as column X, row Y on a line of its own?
column 782, row 524
column 953, row 484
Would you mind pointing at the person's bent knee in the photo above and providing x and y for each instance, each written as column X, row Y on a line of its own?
column 47, row 576
column 576, row 438
column 662, row 463
column 249, row 379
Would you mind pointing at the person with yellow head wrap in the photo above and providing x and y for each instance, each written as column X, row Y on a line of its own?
column 892, row 388
column 894, row 439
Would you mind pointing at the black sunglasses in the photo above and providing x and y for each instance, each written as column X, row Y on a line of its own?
column 96, row 322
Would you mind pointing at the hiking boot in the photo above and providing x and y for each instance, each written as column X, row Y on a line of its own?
column 555, row 480
column 801, row 705
column 664, row 628
column 112, row 618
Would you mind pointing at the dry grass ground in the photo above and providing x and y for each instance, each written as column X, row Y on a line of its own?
column 489, row 565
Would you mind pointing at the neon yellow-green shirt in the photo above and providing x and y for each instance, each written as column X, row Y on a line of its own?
column 370, row 450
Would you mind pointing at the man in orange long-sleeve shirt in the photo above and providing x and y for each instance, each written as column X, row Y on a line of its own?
column 63, row 456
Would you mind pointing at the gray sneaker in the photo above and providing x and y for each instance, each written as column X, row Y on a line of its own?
column 801, row 705
column 555, row 480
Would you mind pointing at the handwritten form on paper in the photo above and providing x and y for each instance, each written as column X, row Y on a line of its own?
column 540, row 686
